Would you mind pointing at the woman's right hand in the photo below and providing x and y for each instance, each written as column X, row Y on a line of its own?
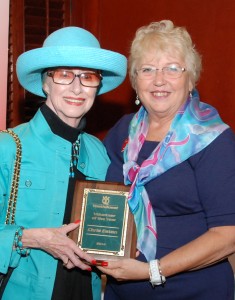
column 56, row 242
column 126, row 269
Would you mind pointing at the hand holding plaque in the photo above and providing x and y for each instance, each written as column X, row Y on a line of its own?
column 107, row 228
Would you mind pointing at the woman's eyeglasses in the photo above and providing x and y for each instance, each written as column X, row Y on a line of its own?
column 171, row 72
column 66, row 77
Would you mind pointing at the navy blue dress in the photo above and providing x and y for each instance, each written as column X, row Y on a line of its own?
column 188, row 199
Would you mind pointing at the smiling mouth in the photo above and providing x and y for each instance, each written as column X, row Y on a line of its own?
column 161, row 94
column 74, row 100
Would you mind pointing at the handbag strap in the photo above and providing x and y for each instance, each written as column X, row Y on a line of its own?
column 10, row 216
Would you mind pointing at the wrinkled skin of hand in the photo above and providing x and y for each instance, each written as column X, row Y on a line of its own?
column 56, row 242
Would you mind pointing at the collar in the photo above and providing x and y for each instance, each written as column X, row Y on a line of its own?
column 59, row 127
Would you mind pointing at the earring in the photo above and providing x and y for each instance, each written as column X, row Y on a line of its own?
column 190, row 94
column 137, row 100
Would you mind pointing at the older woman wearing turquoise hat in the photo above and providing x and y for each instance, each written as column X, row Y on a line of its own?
column 69, row 70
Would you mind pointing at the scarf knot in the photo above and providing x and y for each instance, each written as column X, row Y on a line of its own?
column 131, row 169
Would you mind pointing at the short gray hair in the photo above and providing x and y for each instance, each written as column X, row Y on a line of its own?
column 165, row 36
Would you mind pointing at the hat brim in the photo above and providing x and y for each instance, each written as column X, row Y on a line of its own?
column 31, row 64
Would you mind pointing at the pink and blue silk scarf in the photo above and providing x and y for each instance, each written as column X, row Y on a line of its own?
column 194, row 127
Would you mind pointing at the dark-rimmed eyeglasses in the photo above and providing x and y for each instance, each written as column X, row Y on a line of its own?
column 66, row 77
column 171, row 72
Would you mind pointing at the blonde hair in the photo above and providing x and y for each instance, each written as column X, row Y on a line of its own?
column 164, row 36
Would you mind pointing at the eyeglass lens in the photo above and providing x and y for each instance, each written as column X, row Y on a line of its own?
column 169, row 71
column 89, row 79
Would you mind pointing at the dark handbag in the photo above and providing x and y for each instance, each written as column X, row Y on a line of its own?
column 10, row 216
column 4, row 280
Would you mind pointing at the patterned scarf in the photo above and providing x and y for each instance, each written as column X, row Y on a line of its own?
column 194, row 127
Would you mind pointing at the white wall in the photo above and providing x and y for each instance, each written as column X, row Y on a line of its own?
column 4, row 17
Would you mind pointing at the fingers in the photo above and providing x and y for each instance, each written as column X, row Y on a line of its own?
column 67, row 228
column 69, row 264
column 82, row 260
column 75, row 257
column 65, row 263
column 127, row 269
column 95, row 262
column 71, row 260
column 112, row 270
column 56, row 242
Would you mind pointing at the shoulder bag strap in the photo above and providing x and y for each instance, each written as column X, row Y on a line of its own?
column 10, row 216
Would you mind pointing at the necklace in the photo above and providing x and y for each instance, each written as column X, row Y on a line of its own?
column 74, row 157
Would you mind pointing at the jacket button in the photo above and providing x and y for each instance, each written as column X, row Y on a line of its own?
column 82, row 165
column 28, row 183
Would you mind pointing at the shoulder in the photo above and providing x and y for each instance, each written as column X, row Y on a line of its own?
column 93, row 158
column 7, row 142
column 89, row 139
column 221, row 150
column 92, row 146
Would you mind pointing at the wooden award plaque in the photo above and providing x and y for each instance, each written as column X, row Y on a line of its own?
column 107, row 229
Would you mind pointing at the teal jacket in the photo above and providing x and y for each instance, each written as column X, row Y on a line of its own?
column 41, row 200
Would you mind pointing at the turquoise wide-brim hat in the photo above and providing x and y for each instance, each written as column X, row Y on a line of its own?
column 70, row 47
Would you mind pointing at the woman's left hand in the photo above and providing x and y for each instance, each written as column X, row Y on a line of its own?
column 127, row 269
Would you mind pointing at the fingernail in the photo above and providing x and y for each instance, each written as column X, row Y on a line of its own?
column 77, row 221
column 93, row 262
column 89, row 269
column 104, row 263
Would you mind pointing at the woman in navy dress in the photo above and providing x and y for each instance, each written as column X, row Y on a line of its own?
column 178, row 157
